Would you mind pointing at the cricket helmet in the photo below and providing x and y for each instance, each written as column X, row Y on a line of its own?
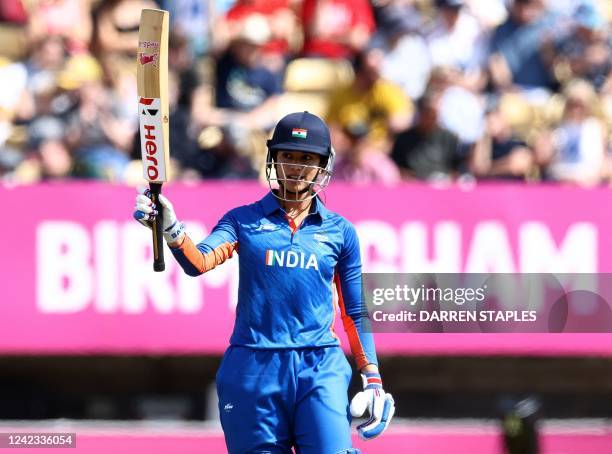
column 305, row 132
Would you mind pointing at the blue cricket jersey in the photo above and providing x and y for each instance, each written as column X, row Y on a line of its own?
column 286, row 277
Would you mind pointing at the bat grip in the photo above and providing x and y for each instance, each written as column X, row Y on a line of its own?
column 157, row 225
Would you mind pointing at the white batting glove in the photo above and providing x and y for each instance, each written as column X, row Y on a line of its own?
column 380, row 406
column 145, row 211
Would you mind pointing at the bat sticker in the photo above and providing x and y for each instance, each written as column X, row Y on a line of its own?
column 148, row 44
column 145, row 59
column 151, row 140
column 148, row 102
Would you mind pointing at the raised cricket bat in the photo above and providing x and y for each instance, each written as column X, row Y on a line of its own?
column 152, row 73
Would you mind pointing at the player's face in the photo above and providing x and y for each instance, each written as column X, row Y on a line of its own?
column 296, row 170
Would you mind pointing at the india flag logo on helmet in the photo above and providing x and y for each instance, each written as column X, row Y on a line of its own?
column 300, row 133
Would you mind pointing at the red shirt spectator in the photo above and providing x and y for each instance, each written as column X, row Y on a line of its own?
column 12, row 11
column 279, row 16
column 336, row 28
column 70, row 19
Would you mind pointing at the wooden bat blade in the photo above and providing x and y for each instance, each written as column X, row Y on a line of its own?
column 152, row 77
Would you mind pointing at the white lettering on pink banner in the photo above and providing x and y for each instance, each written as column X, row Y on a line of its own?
column 80, row 276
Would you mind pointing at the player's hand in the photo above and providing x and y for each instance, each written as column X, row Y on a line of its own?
column 145, row 211
column 379, row 405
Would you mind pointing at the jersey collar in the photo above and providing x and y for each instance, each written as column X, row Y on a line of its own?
column 270, row 204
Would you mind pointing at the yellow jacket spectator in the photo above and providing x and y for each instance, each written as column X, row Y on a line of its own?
column 370, row 109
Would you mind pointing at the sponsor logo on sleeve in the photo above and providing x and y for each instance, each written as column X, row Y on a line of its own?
column 321, row 238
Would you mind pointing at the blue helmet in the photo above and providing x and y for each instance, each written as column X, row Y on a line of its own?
column 305, row 132
column 301, row 131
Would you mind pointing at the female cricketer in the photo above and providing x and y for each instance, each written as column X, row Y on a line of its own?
column 283, row 381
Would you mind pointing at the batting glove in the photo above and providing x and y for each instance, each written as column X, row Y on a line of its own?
column 380, row 406
column 145, row 211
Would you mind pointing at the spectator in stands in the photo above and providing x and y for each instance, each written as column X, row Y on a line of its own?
column 456, row 40
column 426, row 150
column 489, row 13
column 46, row 61
column 13, row 83
column 364, row 117
column 181, row 61
column 499, row 153
column 242, row 83
column 99, row 134
column 460, row 110
column 386, row 13
column 48, row 148
column 370, row 109
column 69, row 19
column 364, row 165
column 586, row 52
column 281, row 21
column 45, row 156
column 116, row 25
column 516, row 59
column 47, row 58
column 336, row 28
column 406, row 61
column 203, row 152
column 10, row 159
column 575, row 151
column 13, row 34
column 246, row 98
column 193, row 20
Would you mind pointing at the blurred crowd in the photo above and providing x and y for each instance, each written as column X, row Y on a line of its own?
column 435, row 90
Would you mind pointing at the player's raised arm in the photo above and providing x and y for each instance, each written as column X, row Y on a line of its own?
column 355, row 319
column 194, row 259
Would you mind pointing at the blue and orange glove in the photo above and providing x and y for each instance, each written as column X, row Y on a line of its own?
column 380, row 406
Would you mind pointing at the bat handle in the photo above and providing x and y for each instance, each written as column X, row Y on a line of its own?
column 157, row 224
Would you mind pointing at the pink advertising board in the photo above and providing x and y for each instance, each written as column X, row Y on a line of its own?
column 76, row 274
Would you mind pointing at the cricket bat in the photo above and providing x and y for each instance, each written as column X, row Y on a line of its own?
column 152, row 76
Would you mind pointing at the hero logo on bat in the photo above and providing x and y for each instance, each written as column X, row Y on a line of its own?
column 151, row 139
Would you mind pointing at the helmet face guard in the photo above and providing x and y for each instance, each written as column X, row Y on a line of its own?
column 277, row 182
column 305, row 133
